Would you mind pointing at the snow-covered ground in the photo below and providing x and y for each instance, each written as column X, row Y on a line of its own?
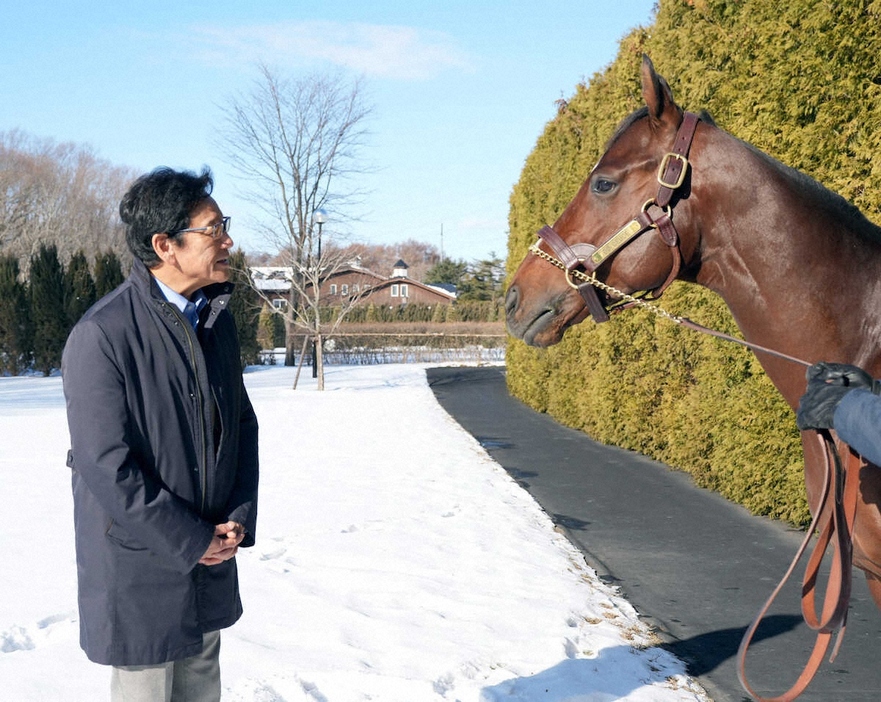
column 395, row 562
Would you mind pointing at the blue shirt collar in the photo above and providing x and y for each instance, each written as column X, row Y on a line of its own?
column 195, row 305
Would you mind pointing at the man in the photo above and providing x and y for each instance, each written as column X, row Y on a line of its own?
column 847, row 399
column 164, row 449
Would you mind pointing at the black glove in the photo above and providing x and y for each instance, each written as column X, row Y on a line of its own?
column 828, row 383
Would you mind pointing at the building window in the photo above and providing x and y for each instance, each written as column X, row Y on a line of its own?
column 405, row 290
column 344, row 289
column 395, row 290
column 355, row 289
column 333, row 288
column 280, row 303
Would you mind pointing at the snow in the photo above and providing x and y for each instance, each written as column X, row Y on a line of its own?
column 395, row 561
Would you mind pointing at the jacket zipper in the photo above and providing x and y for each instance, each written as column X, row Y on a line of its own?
column 203, row 466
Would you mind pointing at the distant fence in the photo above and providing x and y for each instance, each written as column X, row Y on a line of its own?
column 363, row 349
column 412, row 354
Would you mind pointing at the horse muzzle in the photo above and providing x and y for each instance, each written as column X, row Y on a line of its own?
column 543, row 323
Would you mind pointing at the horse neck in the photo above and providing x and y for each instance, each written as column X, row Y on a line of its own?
column 782, row 252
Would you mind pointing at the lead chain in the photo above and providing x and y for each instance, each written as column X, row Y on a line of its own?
column 581, row 275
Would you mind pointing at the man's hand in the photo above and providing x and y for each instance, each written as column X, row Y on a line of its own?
column 225, row 543
column 828, row 383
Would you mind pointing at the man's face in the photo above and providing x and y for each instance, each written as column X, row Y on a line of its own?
column 200, row 259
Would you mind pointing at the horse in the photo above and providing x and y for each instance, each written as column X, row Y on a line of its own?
column 797, row 265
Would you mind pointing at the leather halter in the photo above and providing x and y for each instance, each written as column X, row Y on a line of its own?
column 656, row 214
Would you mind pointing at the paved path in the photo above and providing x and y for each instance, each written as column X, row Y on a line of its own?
column 696, row 566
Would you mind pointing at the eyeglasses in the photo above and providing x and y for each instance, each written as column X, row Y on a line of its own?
column 215, row 231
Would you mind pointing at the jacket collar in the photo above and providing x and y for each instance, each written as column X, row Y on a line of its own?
column 218, row 294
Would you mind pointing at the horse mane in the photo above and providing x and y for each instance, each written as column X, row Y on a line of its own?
column 846, row 212
column 643, row 112
column 625, row 124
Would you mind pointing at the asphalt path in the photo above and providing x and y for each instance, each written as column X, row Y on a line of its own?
column 695, row 566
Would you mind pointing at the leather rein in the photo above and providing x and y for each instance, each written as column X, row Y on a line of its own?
column 833, row 522
column 835, row 514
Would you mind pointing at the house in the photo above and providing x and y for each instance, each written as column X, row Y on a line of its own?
column 273, row 283
column 354, row 281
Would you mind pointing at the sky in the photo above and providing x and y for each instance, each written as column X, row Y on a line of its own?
column 392, row 566
column 460, row 90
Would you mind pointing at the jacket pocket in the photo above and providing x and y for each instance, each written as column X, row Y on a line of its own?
column 121, row 537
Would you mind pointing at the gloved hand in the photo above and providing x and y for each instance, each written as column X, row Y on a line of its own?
column 828, row 383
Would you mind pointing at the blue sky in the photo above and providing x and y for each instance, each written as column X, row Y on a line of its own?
column 460, row 91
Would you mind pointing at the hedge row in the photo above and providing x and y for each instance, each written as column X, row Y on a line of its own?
column 467, row 311
column 801, row 81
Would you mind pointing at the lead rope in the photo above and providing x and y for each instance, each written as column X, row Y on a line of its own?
column 658, row 310
column 837, row 522
column 840, row 488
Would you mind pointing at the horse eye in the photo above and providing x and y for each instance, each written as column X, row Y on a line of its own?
column 603, row 186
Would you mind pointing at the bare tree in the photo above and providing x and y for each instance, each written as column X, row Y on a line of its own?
column 57, row 194
column 296, row 143
column 419, row 256
column 314, row 315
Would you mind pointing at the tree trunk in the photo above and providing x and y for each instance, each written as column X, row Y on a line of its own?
column 300, row 364
column 288, row 344
column 319, row 355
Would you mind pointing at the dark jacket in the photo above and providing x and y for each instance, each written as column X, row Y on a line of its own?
column 857, row 421
column 164, row 447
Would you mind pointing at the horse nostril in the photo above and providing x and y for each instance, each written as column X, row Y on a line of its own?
column 512, row 299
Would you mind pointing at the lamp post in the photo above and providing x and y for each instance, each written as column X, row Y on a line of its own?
column 319, row 217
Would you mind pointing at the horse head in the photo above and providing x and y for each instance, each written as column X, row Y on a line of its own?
column 618, row 231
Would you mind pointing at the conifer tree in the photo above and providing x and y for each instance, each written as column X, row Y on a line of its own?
column 108, row 273
column 14, row 318
column 245, row 308
column 47, row 308
column 447, row 271
column 483, row 281
column 279, row 334
column 79, row 288
column 265, row 336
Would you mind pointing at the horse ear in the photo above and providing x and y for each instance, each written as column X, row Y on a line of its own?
column 655, row 90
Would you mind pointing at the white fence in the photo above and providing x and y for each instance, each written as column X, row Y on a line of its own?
column 492, row 350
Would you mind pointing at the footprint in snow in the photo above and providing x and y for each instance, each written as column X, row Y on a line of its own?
column 15, row 639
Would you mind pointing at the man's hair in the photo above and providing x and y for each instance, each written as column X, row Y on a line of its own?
column 161, row 201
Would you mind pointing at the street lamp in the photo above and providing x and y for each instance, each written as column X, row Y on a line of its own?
column 319, row 218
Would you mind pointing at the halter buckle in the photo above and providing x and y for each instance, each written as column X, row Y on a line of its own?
column 662, row 170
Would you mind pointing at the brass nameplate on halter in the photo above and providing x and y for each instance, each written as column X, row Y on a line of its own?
column 621, row 237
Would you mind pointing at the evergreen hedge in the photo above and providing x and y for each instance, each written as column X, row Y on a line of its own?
column 460, row 311
column 37, row 315
column 801, row 81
